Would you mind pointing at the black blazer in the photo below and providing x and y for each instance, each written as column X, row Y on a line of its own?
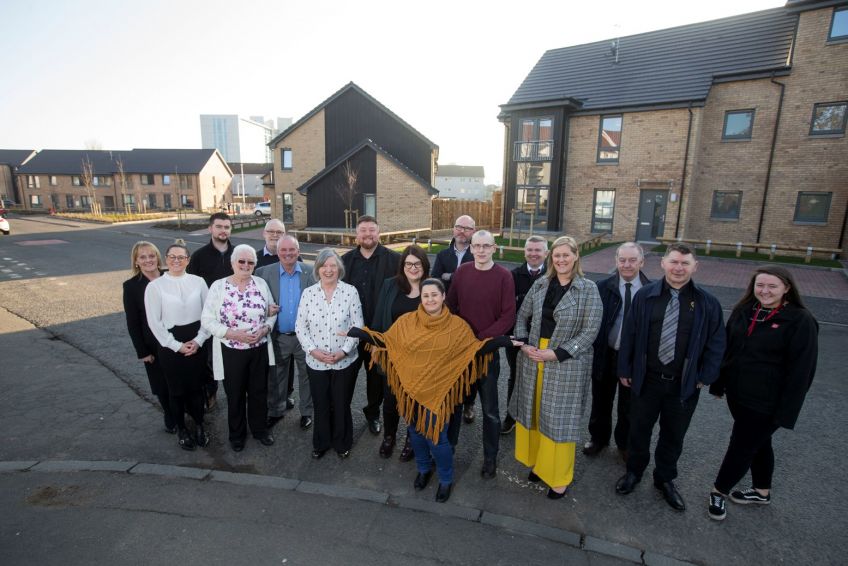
column 142, row 338
column 611, row 299
column 446, row 262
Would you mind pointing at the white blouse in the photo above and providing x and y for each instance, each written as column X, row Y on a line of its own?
column 318, row 323
column 175, row 301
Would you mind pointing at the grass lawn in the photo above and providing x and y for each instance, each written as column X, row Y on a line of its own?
column 761, row 258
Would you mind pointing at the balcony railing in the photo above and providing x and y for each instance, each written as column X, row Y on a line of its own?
column 532, row 151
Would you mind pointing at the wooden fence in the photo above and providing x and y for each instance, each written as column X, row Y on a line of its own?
column 808, row 251
column 487, row 214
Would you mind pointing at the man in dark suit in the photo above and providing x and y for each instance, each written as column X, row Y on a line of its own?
column 535, row 253
column 287, row 279
column 672, row 345
column 366, row 267
column 617, row 292
column 268, row 253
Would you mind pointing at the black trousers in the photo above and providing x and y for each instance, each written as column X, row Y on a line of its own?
column 749, row 449
column 159, row 387
column 603, row 398
column 332, row 391
column 246, row 382
column 373, row 384
column 488, row 388
column 659, row 399
column 512, row 362
column 391, row 417
column 184, row 377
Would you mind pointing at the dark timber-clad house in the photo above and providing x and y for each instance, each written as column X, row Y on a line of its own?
column 394, row 165
column 731, row 130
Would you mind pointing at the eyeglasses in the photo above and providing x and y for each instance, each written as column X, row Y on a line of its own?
column 412, row 264
column 246, row 262
column 275, row 232
column 173, row 257
column 482, row 246
column 464, row 228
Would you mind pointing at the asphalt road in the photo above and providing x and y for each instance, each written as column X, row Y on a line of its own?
column 68, row 283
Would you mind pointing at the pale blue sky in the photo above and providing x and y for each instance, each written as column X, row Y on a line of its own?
column 138, row 73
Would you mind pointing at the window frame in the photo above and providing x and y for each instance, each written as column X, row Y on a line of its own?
column 35, row 201
column 801, row 194
column 749, row 135
column 149, row 177
column 830, row 36
column 151, row 200
column 725, row 218
column 76, row 181
column 838, row 132
column 69, row 201
column 595, row 218
column 166, row 179
column 53, row 180
column 617, row 159
column 283, row 151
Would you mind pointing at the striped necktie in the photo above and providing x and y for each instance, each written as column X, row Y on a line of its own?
column 668, row 336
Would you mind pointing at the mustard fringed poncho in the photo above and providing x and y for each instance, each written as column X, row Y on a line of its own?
column 431, row 363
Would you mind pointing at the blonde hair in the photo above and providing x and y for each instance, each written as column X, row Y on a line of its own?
column 136, row 249
column 572, row 244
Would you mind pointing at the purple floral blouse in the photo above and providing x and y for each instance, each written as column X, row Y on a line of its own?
column 243, row 311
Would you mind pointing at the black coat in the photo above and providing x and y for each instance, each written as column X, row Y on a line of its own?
column 262, row 260
column 387, row 266
column 446, row 262
column 142, row 338
column 771, row 370
column 523, row 281
column 611, row 299
column 209, row 263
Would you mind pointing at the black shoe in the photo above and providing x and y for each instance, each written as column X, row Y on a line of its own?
column 305, row 423
column 623, row 453
column 343, row 454
column 627, row 483
column 201, row 437
column 289, row 403
column 508, row 424
column 532, row 477
column 555, row 495
column 468, row 414
column 443, row 493
column 375, row 426
column 407, row 453
column 171, row 429
column 211, row 402
column 387, row 447
column 185, row 440
column 592, row 448
column 237, row 445
column 671, row 495
column 318, row 454
column 272, row 421
column 266, row 439
column 717, row 510
column 421, row 480
column 489, row 469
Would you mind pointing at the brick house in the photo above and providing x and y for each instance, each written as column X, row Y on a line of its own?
column 148, row 179
column 10, row 161
column 393, row 162
column 731, row 130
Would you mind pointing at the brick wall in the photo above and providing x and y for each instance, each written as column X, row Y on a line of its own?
column 402, row 202
column 308, row 158
column 213, row 184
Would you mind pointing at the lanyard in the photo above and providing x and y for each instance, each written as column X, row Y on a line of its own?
column 757, row 315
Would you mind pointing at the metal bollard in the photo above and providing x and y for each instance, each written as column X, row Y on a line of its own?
column 709, row 246
column 809, row 254
column 738, row 249
column 772, row 251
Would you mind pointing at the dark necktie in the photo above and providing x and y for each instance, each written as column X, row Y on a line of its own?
column 627, row 297
column 668, row 336
column 534, row 272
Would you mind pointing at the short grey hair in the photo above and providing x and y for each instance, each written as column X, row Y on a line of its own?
column 323, row 255
column 537, row 238
column 289, row 237
column 241, row 249
column 633, row 245
column 275, row 220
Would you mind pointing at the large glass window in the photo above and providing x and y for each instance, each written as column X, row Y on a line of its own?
column 76, row 181
column 33, row 181
column 812, row 207
column 35, row 201
column 602, row 210
column 609, row 139
column 166, row 201
column 166, row 179
column 536, row 140
column 286, row 159
column 839, row 24
column 146, row 179
column 829, row 118
column 288, row 207
column 69, row 201
column 738, row 125
column 726, row 205
column 151, row 200
column 533, row 174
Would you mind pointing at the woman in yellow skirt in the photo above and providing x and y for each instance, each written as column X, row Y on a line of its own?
column 560, row 317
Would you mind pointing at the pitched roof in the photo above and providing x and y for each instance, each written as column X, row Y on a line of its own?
column 14, row 157
column 660, row 67
column 69, row 161
column 250, row 168
column 460, row 171
column 304, row 188
column 349, row 86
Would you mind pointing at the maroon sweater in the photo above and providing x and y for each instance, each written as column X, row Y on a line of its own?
column 484, row 299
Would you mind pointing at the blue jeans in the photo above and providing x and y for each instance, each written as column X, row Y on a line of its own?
column 442, row 453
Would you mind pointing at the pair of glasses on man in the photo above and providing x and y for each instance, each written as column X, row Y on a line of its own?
column 246, row 262
column 482, row 246
column 464, row 228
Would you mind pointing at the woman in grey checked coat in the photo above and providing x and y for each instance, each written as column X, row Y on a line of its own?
column 560, row 317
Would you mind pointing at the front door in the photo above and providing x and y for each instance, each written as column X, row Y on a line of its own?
column 651, row 223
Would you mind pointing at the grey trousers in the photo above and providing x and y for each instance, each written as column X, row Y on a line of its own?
column 287, row 349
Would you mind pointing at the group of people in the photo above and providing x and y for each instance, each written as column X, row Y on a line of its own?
column 430, row 342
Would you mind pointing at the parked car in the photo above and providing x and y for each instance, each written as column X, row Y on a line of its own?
column 4, row 226
column 263, row 208
column 6, row 203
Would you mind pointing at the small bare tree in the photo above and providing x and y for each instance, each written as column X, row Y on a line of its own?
column 347, row 191
column 87, row 178
column 123, row 184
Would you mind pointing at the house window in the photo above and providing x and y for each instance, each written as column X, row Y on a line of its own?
column 146, row 179
column 53, row 181
column 101, row 181
column 285, row 159
column 839, row 24
column 533, row 174
column 602, row 210
column 35, row 201
column 33, row 182
column 54, row 201
column 85, row 201
column 370, row 204
column 186, row 201
column 288, row 207
column 76, row 181
column 828, row 118
column 108, row 202
column 185, row 182
column 166, row 201
column 151, row 200
column 129, row 199
column 69, row 201
column 536, row 140
column 738, row 125
column 609, row 139
column 166, row 180
column 812, row 207
column 726, row 205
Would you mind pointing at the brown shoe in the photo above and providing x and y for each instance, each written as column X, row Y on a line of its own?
column 387, row 447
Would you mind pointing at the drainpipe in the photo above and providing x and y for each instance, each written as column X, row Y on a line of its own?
column 683, row 175
column 842, row 232
column 771, row 158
